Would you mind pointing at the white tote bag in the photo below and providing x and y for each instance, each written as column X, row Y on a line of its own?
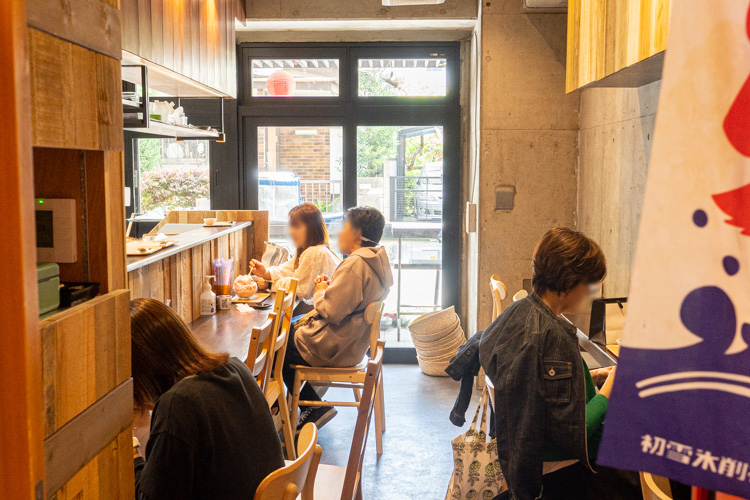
column 476, row 469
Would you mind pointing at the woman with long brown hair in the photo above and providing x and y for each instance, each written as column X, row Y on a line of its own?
column 211, row 432
column 313, row 257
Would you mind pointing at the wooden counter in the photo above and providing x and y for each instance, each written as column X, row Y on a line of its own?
column 230, row 330
column 185, row 241
column 175, row 275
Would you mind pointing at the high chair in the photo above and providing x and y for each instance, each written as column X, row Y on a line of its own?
column 353, row 377
column 297, row 476
column 273, row 381
column 499, row 292
column 345, row 483
column 259, row 349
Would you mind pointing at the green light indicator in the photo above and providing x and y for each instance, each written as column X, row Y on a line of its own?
column 41, row 202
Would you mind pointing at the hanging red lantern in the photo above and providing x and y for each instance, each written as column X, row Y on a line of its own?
column 280, row 83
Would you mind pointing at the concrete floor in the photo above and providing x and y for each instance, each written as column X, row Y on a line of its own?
column 417, row 459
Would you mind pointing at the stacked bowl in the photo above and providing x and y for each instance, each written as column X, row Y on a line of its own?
column 437, row 336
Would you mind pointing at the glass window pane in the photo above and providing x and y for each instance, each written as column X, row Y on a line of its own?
column 173, row 175
column 295, row 77
column 403, row 77
column 296, row 165
column 400, row 172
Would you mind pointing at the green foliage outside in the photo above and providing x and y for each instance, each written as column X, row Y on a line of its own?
column 172, row 183
column 173, row 188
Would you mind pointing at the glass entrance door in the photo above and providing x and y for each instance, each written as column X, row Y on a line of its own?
column 400, row 172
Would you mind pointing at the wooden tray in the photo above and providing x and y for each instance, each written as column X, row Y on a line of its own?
column 140, row 247
column 255, row 299
column 225, row 223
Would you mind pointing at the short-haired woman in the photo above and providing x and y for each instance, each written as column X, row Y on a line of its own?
column 212, row 434
column 338, row 336
column 552, row 416
column 309, row 235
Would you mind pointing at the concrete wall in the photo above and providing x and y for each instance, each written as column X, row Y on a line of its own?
column 528, row 139
column 356, row 9
column 617, row 127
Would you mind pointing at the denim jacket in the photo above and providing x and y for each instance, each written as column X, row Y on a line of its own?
column 533, row 360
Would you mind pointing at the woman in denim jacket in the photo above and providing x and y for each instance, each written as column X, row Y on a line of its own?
column 548, row 415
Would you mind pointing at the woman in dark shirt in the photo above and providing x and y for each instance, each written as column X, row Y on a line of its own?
column 212, row 435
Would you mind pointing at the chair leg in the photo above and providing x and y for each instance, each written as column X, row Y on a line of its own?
column 359, row 496
column 356, row 394
column 381, row 395
column 295, row 402
column 378, row 423
column 286, row 426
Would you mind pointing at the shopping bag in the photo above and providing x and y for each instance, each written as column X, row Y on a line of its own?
column 274, row 255
column 476, row 469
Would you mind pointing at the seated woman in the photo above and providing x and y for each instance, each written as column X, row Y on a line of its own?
column 313, row 257
column 554, row 421
column 338, row 335
column 212, row 434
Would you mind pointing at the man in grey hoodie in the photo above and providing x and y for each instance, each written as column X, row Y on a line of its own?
column 339, row 336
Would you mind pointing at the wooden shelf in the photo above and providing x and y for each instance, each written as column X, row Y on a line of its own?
column 161, row 129
column 164, row 80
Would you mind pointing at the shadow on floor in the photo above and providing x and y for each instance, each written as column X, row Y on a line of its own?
column 417, row 459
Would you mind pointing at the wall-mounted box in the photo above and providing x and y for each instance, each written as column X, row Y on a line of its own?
column 56, row 230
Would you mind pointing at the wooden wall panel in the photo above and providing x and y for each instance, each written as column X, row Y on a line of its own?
column 192, row 37
column 607, row 36
column 94, row 24
column 75, row 95
column 109, row 476
column 85, row 354
column 22, row 460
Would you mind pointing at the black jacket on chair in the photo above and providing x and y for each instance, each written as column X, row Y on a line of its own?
column 464, row 366
column 533, row 359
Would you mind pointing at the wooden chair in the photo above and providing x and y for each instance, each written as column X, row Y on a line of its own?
column 353, row 377
column 499, row 292
column 273, row 386
column 260, row 347
column 655, row 487
column 297, row 476
column 345, row 483
column 521, row 294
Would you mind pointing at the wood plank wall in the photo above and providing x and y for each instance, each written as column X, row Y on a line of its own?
column 606, row 36
column 85, row 355
column 192, row 37
column 74, row 50
column 75, row 95
column 179, row 278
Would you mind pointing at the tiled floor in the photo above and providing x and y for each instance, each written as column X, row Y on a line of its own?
column 417, row 460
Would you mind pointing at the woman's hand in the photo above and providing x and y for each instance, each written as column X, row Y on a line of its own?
column 606, row 389
column 257, row 268
column 599, row 375
column 321, row 282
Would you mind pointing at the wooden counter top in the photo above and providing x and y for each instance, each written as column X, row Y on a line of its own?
column 229, row 330
column 185, row 240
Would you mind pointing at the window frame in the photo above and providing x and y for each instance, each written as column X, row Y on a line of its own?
column 248, row 54
column 350, row 111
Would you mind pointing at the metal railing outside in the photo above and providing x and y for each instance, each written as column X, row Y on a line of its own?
column 325, row 193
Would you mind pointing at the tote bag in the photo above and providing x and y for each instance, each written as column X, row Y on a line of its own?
column 476, row 469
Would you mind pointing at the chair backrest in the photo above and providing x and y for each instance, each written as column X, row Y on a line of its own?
column 499, row 292
column 353, row 474
column 260, row 348
column 282, row 329
column 286, row 483
column 490, row 390
column 655, row 487
column 521, row 294
column 373, row 315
